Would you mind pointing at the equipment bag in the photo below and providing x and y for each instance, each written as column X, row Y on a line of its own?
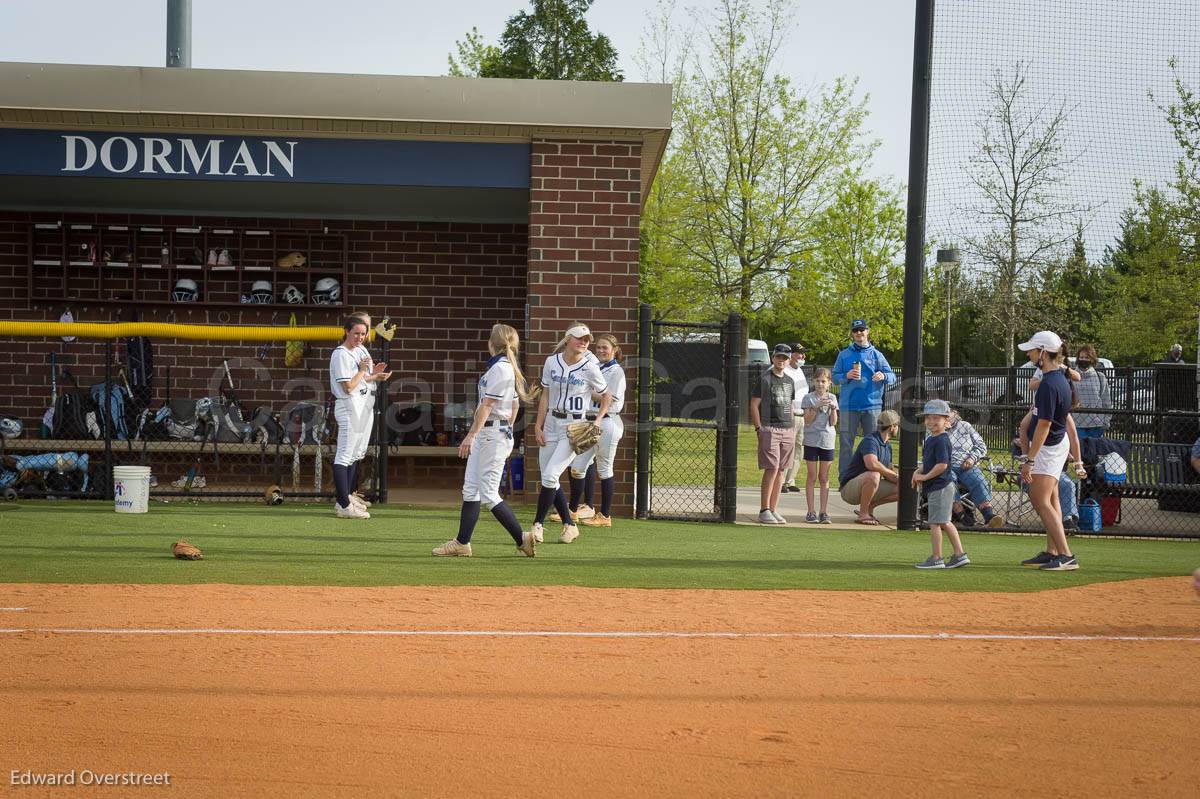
column 228, row 419
column 188, row 419
column 303, row 421
column 114, row 414
column 265, row 427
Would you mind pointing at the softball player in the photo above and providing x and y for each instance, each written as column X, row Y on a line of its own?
column 488, row 444
column 609, row 355
column 351, row 375
column 569, row 379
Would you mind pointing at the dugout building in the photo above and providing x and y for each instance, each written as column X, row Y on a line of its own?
column 446, row 203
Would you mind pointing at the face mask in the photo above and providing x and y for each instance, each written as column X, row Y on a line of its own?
column 1085, row 365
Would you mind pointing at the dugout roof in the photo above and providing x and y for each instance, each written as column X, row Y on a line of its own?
column 150, row 139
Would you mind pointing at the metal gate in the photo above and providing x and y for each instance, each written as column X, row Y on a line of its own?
column 689, row 399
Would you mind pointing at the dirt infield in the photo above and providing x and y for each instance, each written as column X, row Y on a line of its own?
column 260, row 713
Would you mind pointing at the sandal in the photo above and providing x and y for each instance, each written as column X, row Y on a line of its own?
column 869, row 520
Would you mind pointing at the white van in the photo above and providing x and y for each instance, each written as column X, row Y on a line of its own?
column 757, row 352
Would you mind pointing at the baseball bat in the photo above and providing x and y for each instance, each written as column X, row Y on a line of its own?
column 318, row 425
column 48, row 416
column 296, row 460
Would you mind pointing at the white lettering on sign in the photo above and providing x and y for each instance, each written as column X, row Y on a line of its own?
column 181, row 156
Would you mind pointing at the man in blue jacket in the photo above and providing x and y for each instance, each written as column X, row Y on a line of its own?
column 863, row 373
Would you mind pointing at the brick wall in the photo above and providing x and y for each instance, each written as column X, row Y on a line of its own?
column 584, row 208
column 444, row 283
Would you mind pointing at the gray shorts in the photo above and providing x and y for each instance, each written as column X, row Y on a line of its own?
column 941, row 504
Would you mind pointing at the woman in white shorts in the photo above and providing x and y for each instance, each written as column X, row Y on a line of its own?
column 1048, row 449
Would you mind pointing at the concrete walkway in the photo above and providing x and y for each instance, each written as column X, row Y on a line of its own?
column 792, row 506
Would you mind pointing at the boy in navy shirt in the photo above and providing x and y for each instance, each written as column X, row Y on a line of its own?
column 934, row 475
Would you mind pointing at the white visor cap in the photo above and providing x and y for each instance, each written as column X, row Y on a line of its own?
column 579, row 331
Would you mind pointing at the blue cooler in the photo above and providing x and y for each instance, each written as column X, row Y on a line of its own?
column 1089, row 516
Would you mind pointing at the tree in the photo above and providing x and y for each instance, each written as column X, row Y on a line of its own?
column 1071, row 296
column 1155, row 282
column 1021, row 224
column 1155, row 266
column 551, row 42
column 753, row 163
column 852, row 268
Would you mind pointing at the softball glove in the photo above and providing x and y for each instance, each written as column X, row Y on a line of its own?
column 185, row 551
column 583, row 436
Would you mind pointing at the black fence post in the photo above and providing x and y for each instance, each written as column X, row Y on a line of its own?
column 383, row 435
column 645, row 394
column 106, row 420
column 733, row 400
column 914, row 260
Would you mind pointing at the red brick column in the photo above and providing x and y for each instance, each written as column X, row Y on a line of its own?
column 584, row 210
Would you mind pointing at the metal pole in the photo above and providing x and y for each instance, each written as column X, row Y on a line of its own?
column 645, row 352
column 383, row 436
column 949, row 277
column 914, row 257
column 734, row 379
column 179, row 33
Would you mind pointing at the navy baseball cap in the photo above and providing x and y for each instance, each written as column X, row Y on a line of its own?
column 858, row 324
column 800, row 348
column 782, row 349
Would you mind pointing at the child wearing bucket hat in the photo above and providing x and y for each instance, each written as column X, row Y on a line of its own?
column 934, row 479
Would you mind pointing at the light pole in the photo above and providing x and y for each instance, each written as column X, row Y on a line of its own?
column 948, row 260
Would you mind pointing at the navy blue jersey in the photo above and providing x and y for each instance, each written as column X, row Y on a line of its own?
column 1053, row 402
column 936, row 450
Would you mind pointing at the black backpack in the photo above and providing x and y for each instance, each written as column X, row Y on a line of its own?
column 141, row 368
column 74, row 414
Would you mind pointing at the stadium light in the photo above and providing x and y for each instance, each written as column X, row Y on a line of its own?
column 948, row 260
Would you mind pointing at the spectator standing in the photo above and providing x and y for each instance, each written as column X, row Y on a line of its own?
column 1175, row 354
column 771, row 413
column 1093, row 392
column 863, row 373
column 820, row 426
column 795, row 370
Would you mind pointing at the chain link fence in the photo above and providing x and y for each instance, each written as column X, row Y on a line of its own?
column 242, row 437
column 688, row 410
column 1137, row 449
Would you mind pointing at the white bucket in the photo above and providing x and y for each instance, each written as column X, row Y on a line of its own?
column 131, row 488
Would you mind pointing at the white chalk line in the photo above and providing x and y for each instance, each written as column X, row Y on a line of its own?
column 13, row 610
column 935, row 636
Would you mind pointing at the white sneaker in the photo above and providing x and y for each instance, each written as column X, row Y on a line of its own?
column 212, row 258
column 538, row 532
column 453, row 549
column 570, row 533
column 351, row 511
column 585, row 512
column 223, row 258
column 361, row 500
column 528, row 546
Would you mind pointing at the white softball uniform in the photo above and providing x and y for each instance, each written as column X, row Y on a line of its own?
column 611, row 426
column 494, row 442
column 568, row 396
column 354, row 412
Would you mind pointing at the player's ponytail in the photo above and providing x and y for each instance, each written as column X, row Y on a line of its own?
column 505, row 341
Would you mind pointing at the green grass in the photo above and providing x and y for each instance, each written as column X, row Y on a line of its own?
column 686, row 456
column 86, row 542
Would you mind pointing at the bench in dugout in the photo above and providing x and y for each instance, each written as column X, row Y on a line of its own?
column 1157, row 471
